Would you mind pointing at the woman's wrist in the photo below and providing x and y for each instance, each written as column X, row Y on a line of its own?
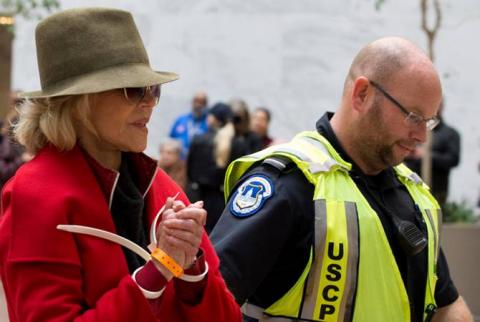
column 163, row 270
column 196, row 276
column 162, row 258
column 198, row 266
column 150, row 280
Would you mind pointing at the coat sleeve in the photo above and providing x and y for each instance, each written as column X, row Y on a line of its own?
column 173, row 130
column 449, row 155
column 214, row 300
column 217, row 303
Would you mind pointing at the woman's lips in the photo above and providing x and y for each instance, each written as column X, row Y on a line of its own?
column 141, row 124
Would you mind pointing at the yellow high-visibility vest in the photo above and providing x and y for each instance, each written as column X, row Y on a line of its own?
column 351, row 260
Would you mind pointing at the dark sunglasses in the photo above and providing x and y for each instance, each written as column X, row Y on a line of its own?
column 135, row 95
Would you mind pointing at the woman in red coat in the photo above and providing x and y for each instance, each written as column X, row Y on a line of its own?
column 63, row 213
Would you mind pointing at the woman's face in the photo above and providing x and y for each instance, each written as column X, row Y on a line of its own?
column 121, row 125
column 169, row 155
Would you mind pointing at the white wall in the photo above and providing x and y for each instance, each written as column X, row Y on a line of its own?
column 291, row 56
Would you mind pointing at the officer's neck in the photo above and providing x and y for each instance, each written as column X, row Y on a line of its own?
column 345, row 135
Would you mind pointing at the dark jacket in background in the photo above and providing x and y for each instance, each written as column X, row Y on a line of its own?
column 10, row 158
column 245, row 144
column 445, row 156
column 206, row 178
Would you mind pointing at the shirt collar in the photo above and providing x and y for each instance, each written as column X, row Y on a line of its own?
column 325, row 128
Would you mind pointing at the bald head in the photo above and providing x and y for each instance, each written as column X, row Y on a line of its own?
column 384, row 58
column 389, row 79
column 200, row 96
column 199, row 103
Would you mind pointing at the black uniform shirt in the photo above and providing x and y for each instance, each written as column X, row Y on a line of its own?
column 263, row 255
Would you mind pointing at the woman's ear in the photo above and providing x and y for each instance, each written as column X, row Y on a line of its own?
column 361, row 90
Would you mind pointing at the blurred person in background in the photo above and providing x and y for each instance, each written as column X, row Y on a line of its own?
column 245, row 140
column 260, row 123
column 12, row 154
column 87, row 128
column 445, row 156
column 171, row 162
column 208, row 157
column 193, row 123
column 228, row 138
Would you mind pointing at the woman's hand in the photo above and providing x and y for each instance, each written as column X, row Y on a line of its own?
column 180, row 231
column 163, row 240
column 185, row 230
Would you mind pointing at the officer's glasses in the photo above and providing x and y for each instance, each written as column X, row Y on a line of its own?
column 411, row 118
column 135, row 95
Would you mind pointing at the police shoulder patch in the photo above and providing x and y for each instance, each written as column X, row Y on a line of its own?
column 251, row 196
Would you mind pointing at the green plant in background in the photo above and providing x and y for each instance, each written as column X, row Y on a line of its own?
column 458, row 212
column 28, row 8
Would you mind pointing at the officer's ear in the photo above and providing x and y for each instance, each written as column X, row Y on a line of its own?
column 361, row 91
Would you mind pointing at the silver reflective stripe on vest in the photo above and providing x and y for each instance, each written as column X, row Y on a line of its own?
column 308, row 305
column 256, row 312
column 415, row 178
column 316, row 167
column 282, row 149
column 346, row 308
column 276, row 163
column 436, row 240
column 310, row 300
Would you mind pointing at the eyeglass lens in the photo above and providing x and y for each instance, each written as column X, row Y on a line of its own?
column 137, row 94
column 411, row 117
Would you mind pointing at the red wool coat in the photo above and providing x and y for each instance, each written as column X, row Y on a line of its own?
column 51, row 275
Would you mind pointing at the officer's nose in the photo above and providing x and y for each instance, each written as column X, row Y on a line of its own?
column 419, row 132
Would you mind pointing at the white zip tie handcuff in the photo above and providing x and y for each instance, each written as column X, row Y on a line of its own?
column 103, row 234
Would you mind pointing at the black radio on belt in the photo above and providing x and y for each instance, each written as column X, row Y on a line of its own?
column 410, row 238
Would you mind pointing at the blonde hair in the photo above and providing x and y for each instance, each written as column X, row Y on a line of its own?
column 241, row 113
column 52, row 120
column 223, row 144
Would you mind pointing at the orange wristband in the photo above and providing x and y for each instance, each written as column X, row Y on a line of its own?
column 162, row 257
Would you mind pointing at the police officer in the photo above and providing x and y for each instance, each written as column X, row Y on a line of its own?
column 331, row 226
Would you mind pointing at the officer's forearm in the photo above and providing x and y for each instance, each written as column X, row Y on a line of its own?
column 456, row 312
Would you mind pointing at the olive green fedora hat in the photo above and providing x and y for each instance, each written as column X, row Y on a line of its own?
column 91, row 50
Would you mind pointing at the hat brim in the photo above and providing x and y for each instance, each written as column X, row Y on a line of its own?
column 132, row 75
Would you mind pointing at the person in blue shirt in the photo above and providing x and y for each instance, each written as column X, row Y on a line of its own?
column 188, row 125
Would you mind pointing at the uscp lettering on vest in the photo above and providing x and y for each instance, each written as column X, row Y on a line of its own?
column 333, row 275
